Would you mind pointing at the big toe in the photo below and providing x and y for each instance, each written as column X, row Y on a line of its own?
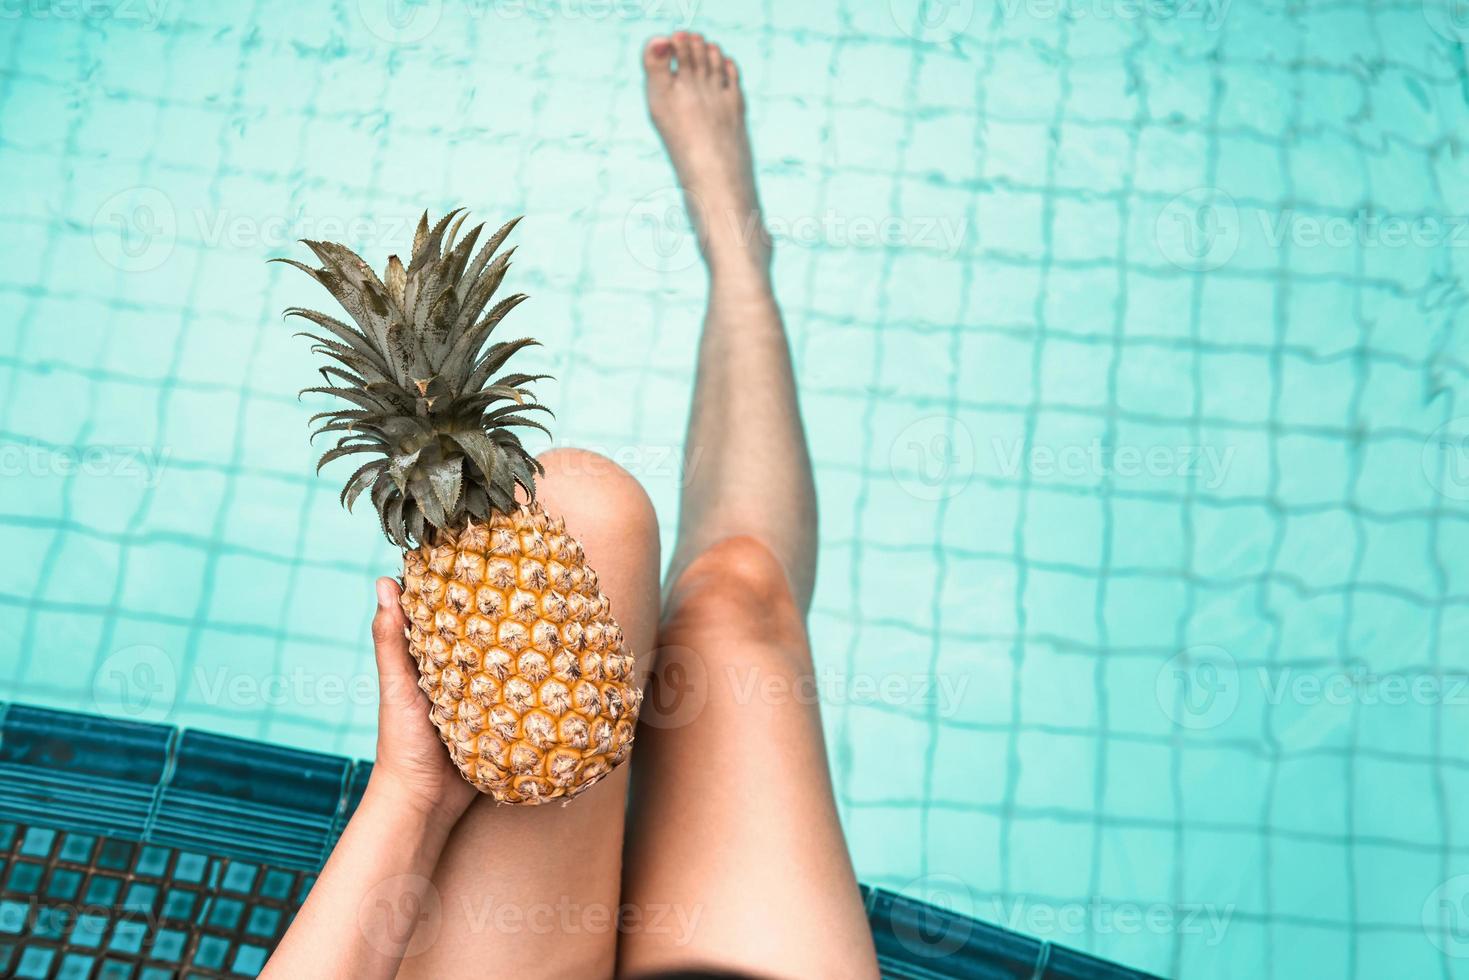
column 658, row 62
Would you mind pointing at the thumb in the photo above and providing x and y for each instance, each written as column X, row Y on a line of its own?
column 397, row 676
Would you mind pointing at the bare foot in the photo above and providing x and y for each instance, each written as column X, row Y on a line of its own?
column 695, row 100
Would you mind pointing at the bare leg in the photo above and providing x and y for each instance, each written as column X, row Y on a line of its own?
column 734, row 825
column 533, row 891
column 746, row 468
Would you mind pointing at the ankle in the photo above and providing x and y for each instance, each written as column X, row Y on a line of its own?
column 741, row 279
column 739, row 256
column 733, row 238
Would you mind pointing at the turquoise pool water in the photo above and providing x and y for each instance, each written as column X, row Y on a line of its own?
column 1130, row 337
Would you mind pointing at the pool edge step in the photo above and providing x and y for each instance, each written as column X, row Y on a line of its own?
column 253, row 801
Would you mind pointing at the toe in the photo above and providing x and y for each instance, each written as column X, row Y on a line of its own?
column 716, row 63
column 698, row 54
column 731, row 73
column 658, row 61
column 683, row 53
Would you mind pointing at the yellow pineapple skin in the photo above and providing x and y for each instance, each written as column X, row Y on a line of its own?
column 529, row 680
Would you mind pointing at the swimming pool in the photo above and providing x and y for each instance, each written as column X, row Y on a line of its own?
column 1126, row 336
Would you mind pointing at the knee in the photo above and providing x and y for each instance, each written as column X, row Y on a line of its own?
column 739, row 585
column 591, row 490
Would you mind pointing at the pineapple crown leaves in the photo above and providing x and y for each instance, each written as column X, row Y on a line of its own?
column 415, row 367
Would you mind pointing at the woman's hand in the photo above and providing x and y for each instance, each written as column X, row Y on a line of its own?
column 411, row 759
column 366, row 910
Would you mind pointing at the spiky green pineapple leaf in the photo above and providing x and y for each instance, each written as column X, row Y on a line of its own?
column 400, row 468
column 360, row 481
column 482, row 452
column 446, row 480
column 414, row 366
column 348, row 449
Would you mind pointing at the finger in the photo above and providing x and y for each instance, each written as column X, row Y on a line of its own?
column 397, row 675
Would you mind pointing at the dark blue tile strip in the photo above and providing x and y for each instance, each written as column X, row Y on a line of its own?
column 917, row 940
column 260, row 801
column 251, row 801
column 96, row 774
column 1068, row 964
column 356, row 786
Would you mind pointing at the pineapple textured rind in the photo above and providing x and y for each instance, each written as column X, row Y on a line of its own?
column 530, row 683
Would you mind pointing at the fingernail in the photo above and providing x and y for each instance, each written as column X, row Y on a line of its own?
column 384, row 594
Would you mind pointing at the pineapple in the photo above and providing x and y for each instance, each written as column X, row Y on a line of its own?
column 529, row 682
